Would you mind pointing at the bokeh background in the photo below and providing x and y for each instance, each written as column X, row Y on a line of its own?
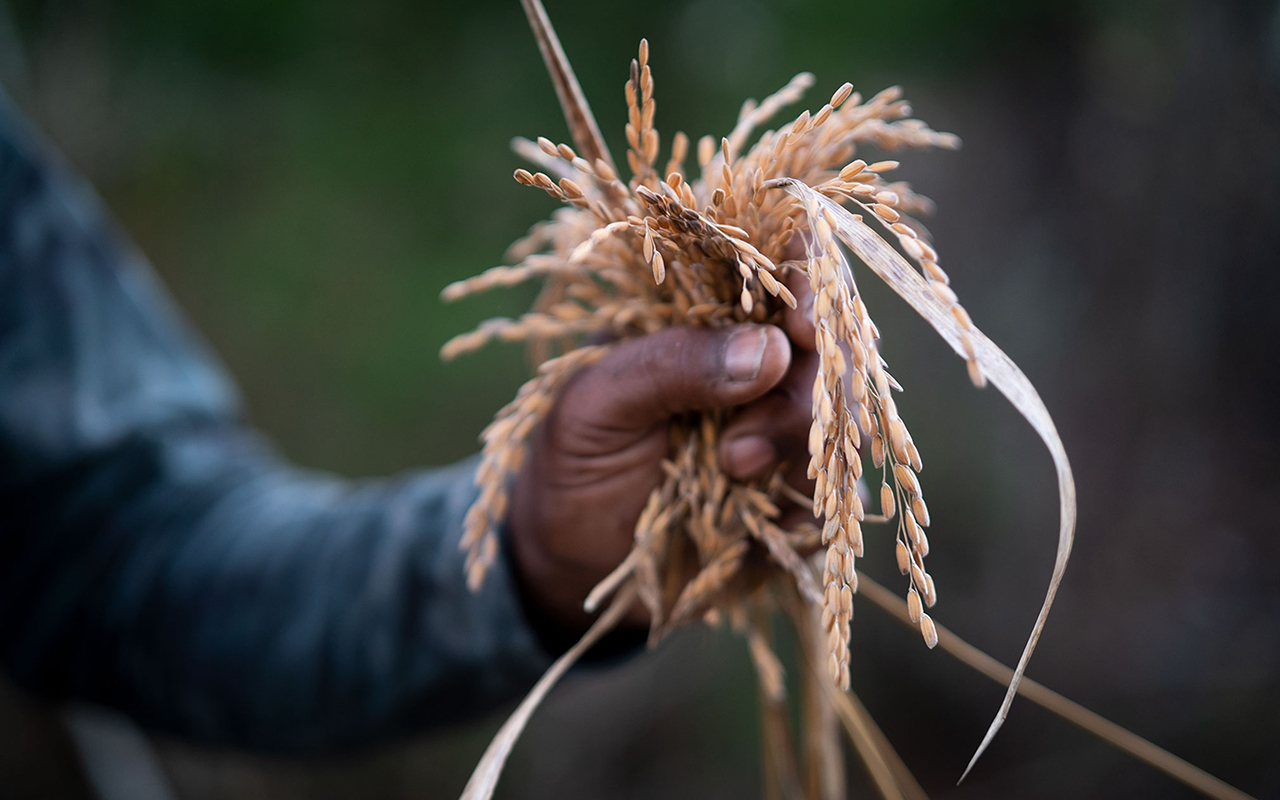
column 306, row 176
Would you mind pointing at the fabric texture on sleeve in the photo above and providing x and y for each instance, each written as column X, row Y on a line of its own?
column 159, row 557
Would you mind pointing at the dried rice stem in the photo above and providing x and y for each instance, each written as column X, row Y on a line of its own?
column 630, row 258
column 890, row 775
column 824, row 757
column 1069, row 710
column 582, row 123
column 778, row 752
column 993, row 364
column 484, row 779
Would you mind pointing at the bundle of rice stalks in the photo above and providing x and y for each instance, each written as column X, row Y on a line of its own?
column 716, row 244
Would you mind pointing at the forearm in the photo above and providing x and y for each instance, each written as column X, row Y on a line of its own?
column 196, row 583
column 157, row 557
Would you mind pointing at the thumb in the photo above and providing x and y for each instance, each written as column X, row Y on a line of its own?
column 646, row 380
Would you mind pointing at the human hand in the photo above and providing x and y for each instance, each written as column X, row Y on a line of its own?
column 594, row 461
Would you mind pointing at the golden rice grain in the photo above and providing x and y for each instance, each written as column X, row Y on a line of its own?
column 886, row 501
column 914, row 608
column 920, row 511
column 708, row 247
column 929, row 631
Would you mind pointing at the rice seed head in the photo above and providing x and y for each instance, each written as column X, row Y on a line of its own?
column 715, row 243
column 691, row 233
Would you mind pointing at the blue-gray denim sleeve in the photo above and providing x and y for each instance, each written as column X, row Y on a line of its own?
column 159, row 557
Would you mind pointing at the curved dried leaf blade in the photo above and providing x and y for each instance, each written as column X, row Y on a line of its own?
column 484, row 779
column 1073, row 712
column 998, row 368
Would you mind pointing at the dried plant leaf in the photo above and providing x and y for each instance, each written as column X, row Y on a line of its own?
column 611, row 582
column 995, row 366
column 484, row 779
column 577, row 113
column 631, row 258
column 1073, row 712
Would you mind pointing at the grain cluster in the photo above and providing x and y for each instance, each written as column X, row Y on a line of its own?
column 708, row 246
column 713, row 243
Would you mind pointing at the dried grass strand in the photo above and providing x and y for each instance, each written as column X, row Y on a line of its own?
column 823, row 752
column 577, row 112
column 995, row 366
column 624, row 259
column 1073, row 712
column 484, row 779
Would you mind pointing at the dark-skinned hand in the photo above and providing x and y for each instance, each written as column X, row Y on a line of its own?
column 594, row 461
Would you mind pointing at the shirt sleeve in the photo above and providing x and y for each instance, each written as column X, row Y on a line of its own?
column 159, row 557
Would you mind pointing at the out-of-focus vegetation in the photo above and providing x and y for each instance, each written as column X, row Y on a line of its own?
column 306, row 177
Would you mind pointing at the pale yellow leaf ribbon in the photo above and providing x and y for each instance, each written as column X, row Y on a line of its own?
column 997, row 367
column 484, row 779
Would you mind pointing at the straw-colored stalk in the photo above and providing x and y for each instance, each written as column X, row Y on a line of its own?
column 707, row 246
column 709, row 250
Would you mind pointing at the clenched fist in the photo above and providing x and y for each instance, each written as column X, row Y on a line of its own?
column 595, row 460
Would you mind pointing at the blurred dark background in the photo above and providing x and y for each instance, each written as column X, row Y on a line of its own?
column 306, row 176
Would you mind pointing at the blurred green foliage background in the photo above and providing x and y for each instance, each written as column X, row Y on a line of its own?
column 307, row 176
